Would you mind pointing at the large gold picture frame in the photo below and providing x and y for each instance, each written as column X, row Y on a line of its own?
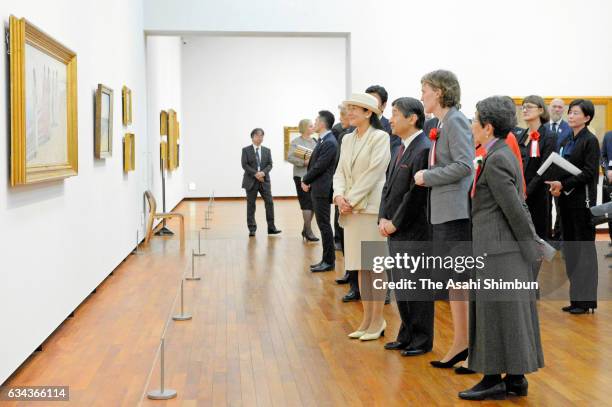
column 173, row 140
column 126, row 97
column 103, row 132
column 602, row 122
column 289, row 133
column 44, row 126
column 129, row 152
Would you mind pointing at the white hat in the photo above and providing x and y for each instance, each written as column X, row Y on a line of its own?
column 364, row 100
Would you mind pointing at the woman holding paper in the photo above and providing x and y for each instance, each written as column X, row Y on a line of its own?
column 536, row 144
column 577, row 193
column 504, row 329
column 298, row 156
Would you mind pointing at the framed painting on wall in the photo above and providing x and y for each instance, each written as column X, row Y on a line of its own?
column 103, row 138
column 289, row 132
column 173, row 140
column 44, row 128
column 129, row 153
column 602, row 122
column 126, row 97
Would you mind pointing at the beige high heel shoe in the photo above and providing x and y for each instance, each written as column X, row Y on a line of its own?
column 356, row 334
column 375, row 335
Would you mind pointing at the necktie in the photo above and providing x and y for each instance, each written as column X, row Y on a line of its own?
column 258, row 159
column 400, row 154
column 554, row 127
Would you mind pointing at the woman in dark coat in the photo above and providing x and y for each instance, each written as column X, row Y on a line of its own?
column 536, row 144
column 577, row 193
column 504, row 328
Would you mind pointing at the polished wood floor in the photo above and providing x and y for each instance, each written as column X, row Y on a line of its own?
column 267, row 332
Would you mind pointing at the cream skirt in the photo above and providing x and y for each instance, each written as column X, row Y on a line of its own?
column 358, row 227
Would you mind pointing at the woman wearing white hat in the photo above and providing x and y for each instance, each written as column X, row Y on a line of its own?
column 358, row 184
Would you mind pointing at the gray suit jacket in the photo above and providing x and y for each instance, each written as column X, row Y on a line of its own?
column 501, row 222
column 451, row 177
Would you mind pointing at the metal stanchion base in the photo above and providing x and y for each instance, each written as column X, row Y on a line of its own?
column 193, row 278
column 199, row 254
column 167, row 394
column 182, row 317
column 164, row 231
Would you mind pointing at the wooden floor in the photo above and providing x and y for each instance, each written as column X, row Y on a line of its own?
column 267, row 332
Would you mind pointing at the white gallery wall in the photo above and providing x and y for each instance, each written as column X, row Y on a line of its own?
column 59, row 240
column 163, row 93
column 232, row 84
column 516, row 48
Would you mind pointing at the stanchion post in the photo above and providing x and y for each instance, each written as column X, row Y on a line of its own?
column 193, row 276
column 182, row 316
column 199, row 253
column 163, row 393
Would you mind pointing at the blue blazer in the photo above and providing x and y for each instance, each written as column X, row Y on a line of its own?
column 563, row 132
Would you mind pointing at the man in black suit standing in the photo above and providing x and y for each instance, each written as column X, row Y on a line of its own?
column 403, row 220
column 257, row 163
column 318, row 180
column 381, row 94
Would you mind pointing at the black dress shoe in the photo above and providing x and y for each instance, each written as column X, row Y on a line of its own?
column 316, row 265
column 252, row 233
column 516, row 387
column 567, row 308
column 463, row 370
column 580, row 310
column 323, row 267
column 495, row 392
column 274, row 231
column 344, row 279
column 351, row 296
column 459, row 357
column 414, row 352
column 396, row 345
column 608, row 255
column 388, row 297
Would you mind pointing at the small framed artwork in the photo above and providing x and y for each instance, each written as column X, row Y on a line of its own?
column 173, row 136
column 43, row 100
column 290, row 132
column 163, row 123
column 126, row 97
column 103, row 134
column 129, row 152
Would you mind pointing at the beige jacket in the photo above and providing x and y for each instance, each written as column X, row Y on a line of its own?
column 360, row 176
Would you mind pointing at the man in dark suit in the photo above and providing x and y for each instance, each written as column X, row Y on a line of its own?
column 562, row 132
column 403, row 220
column 318, row 181
column 381, row 94
column 257, row 164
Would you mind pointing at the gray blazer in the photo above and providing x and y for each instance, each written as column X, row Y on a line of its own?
column 451, row 177
column 501, row 222
column 299, row 165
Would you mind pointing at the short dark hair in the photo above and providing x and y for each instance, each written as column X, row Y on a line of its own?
column 499, row 112
column 587, row 107
column 257, row 130
column 409, row 106
column 380, row 91
column 539, row 102
column 328, row 118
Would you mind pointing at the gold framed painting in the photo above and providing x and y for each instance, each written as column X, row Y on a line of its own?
column 44, row 126
column 129, row 152
column 290, row 132
column 602, row 122
column 173, row 137
column 163, row 154
column 163, row 123
column 126, row 97
column 103, row 132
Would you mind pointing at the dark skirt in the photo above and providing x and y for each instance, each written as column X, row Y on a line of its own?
column 537, row 202
column 303, row 197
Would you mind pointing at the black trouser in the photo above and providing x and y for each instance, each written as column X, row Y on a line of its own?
column 416, row 311
column 606, row 191
column 265, row 190
column 338, row 231
column 580, row 255
column 322, row 214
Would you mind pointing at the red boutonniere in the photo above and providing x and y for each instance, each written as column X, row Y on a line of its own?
column 535, row 144
column 478, row 161
column 433, row 136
